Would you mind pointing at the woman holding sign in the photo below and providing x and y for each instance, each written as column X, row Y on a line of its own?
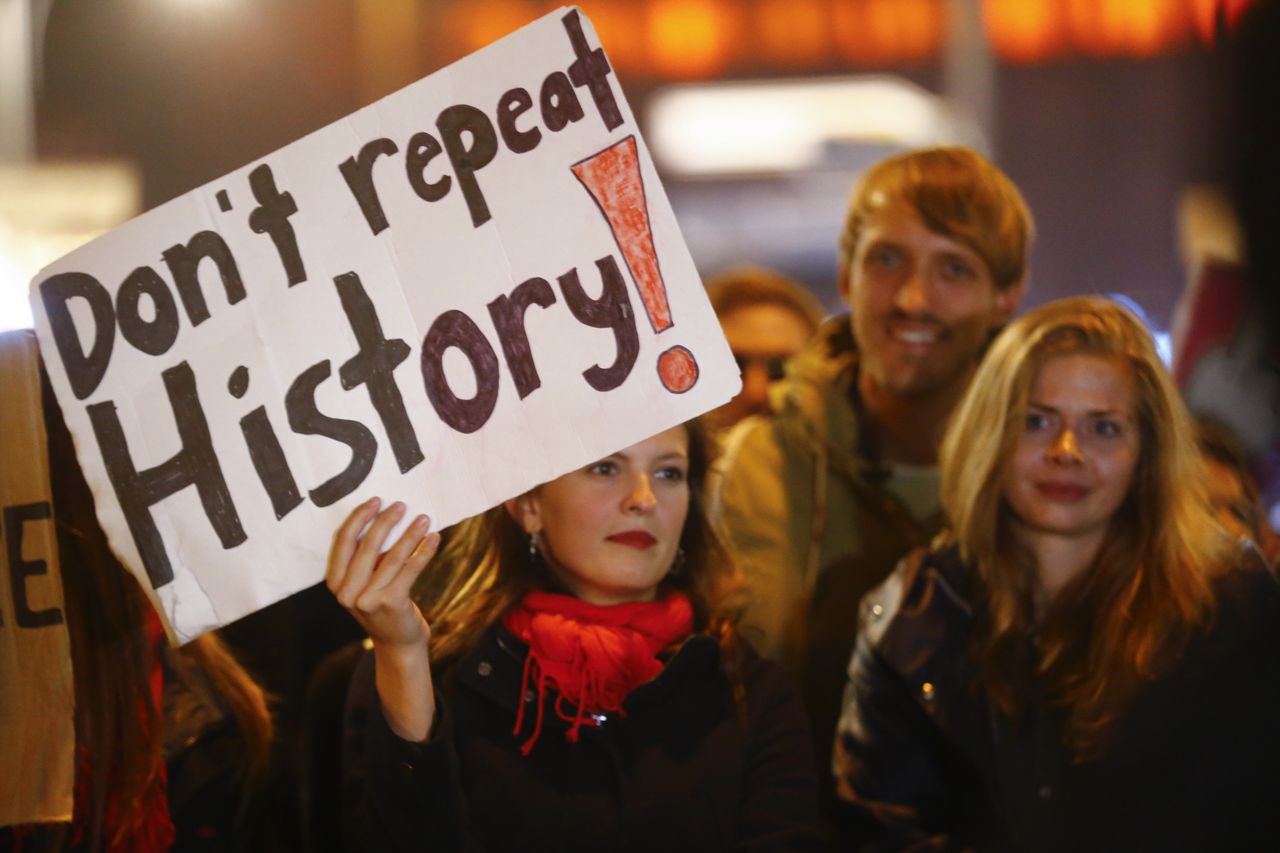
column 1089, row 661
column 578, row 682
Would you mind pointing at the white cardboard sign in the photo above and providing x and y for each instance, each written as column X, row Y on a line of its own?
column 452, row 295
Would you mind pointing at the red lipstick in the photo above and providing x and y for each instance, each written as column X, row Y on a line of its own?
column 1062, row 492
column 639, row 539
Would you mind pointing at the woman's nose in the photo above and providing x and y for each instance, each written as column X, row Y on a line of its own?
column 1065, row 450
column 641, row 498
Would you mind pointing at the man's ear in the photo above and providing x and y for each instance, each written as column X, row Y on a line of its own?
column 1007, row 301
column 525, row 511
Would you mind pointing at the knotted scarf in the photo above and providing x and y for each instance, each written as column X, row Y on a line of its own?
column 591, row 655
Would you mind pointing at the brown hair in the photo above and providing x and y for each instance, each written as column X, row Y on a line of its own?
column 119, row 727
column 485, row 568
column 959, row 194
column 1118, row 623
column 742, row 287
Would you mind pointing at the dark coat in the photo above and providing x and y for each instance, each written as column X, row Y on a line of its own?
column 680, row 771
column 923, row 763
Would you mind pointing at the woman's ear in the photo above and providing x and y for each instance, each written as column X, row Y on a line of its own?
column 525, row 510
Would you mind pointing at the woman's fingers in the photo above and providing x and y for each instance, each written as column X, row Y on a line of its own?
column 365, row 557
column 401, row 586
column 344, row 542
column 393, row 561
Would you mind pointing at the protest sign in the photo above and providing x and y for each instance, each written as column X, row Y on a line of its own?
column 37, row 733
column 450, row 296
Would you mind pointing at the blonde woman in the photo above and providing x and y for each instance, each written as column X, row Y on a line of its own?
column 1087, row 660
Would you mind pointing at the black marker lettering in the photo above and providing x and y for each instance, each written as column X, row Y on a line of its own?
column 268, row 460
column 423, row 148
column 271, row 216
column 511, row 105
column 374, row 367
column 455, row 329
column 591, row 69
column 153, row 337
column 560, row 104
column 611, row 311
column 306, row 419
column 507, row 313
column 15, row 517
column 195, row 464
column 358, row 172
column 84, row 370
column 467, row 159
column 184, row 263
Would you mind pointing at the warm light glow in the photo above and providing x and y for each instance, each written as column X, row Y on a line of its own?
column 1205, row 13
column 1138, row 28
column 690, row 38
column 616, row 23
column 1024, row 30
column 921, row 27
column 903, row 29
column 793, row 32
column 48, row 210
column 476, row 26
column 784, row 126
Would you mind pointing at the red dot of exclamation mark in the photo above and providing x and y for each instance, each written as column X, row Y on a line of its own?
column 612, row 176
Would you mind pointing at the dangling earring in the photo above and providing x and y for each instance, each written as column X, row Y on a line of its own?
column 677, row 565
column 533, row 547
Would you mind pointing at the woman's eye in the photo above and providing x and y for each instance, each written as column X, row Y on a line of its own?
column 1037, row 421
column 604, row 466
column 1107, row 428
column 675, row 475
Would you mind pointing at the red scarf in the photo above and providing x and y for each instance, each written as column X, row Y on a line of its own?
column 592, row 656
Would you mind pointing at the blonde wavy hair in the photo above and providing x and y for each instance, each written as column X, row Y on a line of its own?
column 1119, row 622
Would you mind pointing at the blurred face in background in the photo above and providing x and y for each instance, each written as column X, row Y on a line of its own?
column 923, row 306
column 1233, row 505
column 762, row 336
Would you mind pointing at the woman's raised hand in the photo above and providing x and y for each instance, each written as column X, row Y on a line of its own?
column 373, row 585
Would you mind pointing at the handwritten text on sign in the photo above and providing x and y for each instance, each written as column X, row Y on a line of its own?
column 434, row 299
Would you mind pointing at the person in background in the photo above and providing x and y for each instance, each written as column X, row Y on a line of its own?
column 172, row 744
column 1088, row 659
column 823, row 495
column 577, row 683
column 766, row 318
column 1233, row 493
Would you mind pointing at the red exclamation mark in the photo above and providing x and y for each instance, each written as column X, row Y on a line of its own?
column 613, row 178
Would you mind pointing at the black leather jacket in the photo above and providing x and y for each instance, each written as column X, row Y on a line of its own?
column 923, row 763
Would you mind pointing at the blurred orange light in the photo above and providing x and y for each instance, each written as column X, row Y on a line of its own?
column 616, row 23
column 1024, row 30
column 872, row 32
column 1139, row 28
column 475, row 25
column 690, row 38
column 1205, row 12
column 793, row 32
column 920, row 27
